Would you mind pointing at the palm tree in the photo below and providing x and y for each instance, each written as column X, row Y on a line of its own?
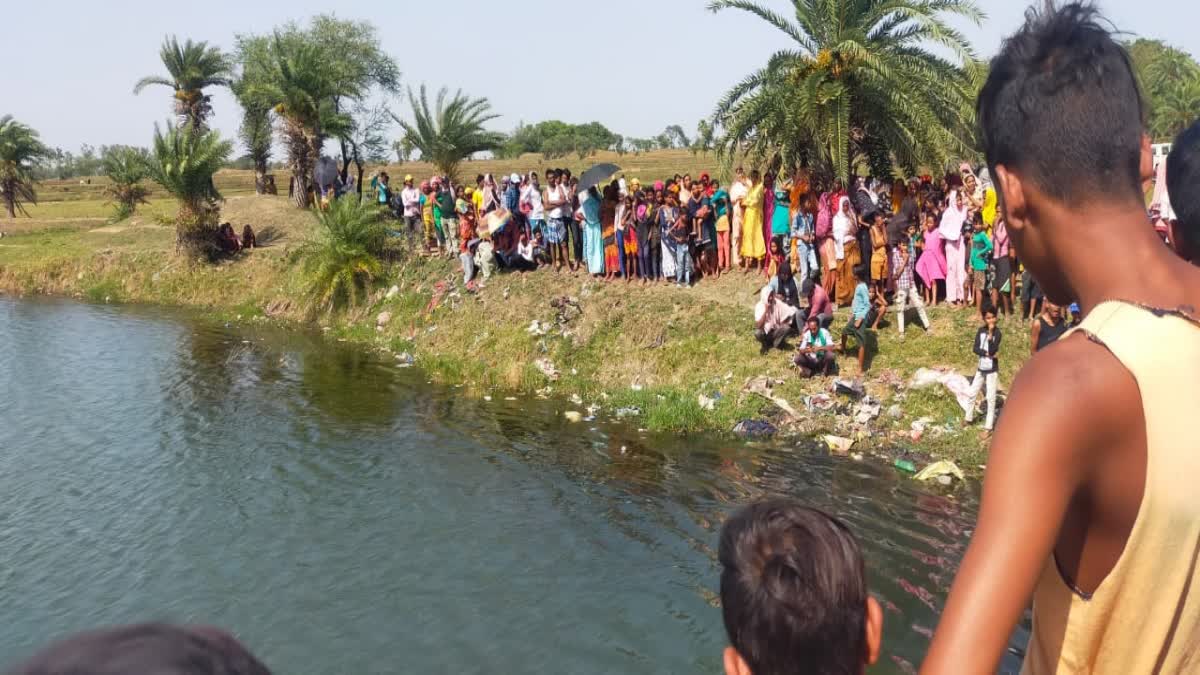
column 20, row 152
column 183, row 161
column 452, row 131
column 857, row 77
column 343, row 260
column 126, row 168
column 190, row 68
column 1178, row 106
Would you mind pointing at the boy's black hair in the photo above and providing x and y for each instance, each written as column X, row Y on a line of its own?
column 986, row 307
column 793, row 590
column 1062, row 106
column 1183, row 182
column 861, row 272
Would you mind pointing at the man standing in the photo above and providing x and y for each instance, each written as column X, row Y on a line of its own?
column 446, row 201
column 531, row 201
column 410, row 202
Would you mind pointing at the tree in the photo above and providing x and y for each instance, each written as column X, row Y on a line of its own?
column 678, row 138
column 190, row 69
column 255, row 133
column 342, row 261
column 857, row 75
column 311, row 78
column 704, row 137
column 183, row 161
column 367, row 138
column 126, row 168
column 450, row 132
column 1168, row 78
column 20, row 152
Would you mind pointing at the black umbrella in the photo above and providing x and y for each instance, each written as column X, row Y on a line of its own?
column 596, row 175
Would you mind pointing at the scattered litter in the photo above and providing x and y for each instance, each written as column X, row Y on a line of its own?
column 848, row 388
column 857, row 457
column 762, row 386
column 635, row 386
column 537, row 328
column 573, row 416
column 754, row 429
column 838, row 445
column 576, row 399
column 547, row 368
column 905, row 465
column 574, row 372
column 706, row 403
column 631, row 411
column 510, row 398
column 823, row 402
column 405, row 359
column 957, row 384
column 944, row 480
column 592, row 410
column 895, row 412
column 866, row 411
column 622, row 449
column 392, row 292
column 917, row 428
column 939, row 469
column 487, row 398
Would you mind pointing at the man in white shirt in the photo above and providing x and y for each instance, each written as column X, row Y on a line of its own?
column 410, row 200
column 774, row 320
column 815, row 354
column 531, row 196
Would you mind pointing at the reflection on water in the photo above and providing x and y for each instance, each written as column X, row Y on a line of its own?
column 342, row 515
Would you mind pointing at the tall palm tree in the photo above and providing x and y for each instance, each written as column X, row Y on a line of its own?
column 191, row 67
column 450, row 132
column 20, row 152
column 857, row 77
column 183, row 161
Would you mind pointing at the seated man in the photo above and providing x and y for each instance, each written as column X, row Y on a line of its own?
column 819, row 304
column 1183, row 184
column 794, row 593
column 774, row 320
column 815, row 354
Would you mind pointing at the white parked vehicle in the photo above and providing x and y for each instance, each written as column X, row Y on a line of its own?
column 1159, row 152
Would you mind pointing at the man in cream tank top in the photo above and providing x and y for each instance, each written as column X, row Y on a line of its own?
column 1091, row 502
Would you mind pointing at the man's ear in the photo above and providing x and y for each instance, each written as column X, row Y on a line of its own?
column 1010, row 195
column 874, row 630
column 1147, row 163
column 735, row 664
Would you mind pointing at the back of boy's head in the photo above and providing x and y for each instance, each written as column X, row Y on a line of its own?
column 1183, row 184
column 1062, row 108
column 860, row 272
column 794, row 591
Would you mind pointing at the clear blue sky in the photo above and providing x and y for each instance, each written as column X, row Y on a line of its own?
column 72, row 65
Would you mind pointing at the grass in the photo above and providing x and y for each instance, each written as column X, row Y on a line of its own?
column 656, row 349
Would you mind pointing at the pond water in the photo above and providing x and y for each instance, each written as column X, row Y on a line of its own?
column 342, row 515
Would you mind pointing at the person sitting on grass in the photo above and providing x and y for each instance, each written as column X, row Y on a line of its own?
column 860, row 310
column 819, row 304
column 774, row 320
column 794, row 595
column 1183, row 184
column 248, row 238
column 815, row 354
column 228, row 240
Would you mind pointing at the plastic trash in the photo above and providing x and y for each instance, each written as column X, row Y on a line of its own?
column 905, row 465
column 848, row 388
column 838, row 444
column 822, row 402
column 573, row 416
column 941, row 468
column 547, row 368
column 706, row 403
column 754, row 429
column 631, row 411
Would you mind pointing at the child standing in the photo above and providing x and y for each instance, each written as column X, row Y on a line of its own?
column 720, row 203
column 681, row 232
column 630, row 247
column 802, row 239
column 906, row 290
column 987, row 348
column 860, row 309
column 981, row 254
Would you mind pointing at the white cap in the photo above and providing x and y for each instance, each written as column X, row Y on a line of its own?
column 514, row 178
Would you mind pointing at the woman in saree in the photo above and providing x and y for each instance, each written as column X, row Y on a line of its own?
column 593, row 239
column 951, row 231
column 754, row 244
column 845, row 239
column 827, row 250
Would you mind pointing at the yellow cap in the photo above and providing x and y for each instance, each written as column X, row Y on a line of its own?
column 408, row 178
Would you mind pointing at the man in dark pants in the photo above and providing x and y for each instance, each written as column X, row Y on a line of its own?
column 774, row 320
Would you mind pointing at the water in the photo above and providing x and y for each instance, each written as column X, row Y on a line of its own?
column 342, row 515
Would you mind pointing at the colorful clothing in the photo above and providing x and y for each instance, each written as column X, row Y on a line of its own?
column 981, row 251
column 608, row 230
column 754, row 246
column 593, row 236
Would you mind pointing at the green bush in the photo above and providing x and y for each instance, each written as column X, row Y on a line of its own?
column 342, row 262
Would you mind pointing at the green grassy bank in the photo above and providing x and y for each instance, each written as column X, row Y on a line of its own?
column 618, row 347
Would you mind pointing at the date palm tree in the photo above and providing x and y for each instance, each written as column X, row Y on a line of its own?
column 342, row 260
column 183, row 161
column 857, row 76
column 20, row 152
column 191, row 67
column 126, row 168
column 451, row 131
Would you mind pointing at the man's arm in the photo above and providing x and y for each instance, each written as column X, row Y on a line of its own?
column 1038, row 460
column 1034, row 335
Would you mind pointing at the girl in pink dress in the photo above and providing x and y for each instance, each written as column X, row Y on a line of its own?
column 931, row 266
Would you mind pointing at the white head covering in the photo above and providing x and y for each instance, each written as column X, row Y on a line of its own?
column 953, row 219
column 841, row 228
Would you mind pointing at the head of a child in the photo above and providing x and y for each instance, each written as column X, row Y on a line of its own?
column 988, row 312
column 794, row 593
column 861, row 273
column 774, row 246
column 977, row 223
column 1061, row 123
column 911, row 230
column 1183, row 174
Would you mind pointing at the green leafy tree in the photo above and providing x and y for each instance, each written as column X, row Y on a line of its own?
column 705, row 135
column 20, row 153
column 859, row 73
column 451, row 131
column 191, row 68
column 342, row 261
column 183, row 161
column 126, row 169
column 313, row 78
column 1170, row 82
column 255, row 132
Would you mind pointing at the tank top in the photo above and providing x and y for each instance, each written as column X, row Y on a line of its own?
column 1145, row 616
column 1049, row 334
